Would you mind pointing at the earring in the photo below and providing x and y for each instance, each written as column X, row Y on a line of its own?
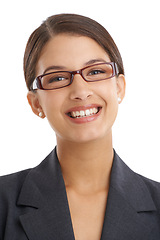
column 40, row 114
column 119, row 99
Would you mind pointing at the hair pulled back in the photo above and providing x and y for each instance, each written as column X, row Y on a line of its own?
column 71, row 24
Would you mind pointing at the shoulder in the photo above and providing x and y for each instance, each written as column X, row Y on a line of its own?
column 154, row 189
column 138, row 189
column 10, row 185
column 24, row 189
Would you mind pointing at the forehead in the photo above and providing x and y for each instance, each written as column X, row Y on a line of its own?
column 70, row 51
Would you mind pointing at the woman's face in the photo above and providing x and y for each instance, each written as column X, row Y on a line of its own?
column 70, row 53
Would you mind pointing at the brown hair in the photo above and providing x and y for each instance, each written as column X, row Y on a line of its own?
column 72, row 24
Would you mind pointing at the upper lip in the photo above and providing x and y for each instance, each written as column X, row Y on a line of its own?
column 83, row 108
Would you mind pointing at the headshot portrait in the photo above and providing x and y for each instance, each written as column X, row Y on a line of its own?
column 76, row 163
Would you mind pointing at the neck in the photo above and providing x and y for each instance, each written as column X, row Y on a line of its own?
column 86, row 166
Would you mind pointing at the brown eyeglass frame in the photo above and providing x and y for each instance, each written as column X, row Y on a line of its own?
column 38, row 82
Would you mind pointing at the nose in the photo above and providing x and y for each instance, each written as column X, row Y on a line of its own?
column 80, row 90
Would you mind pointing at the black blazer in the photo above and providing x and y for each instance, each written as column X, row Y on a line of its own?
column 34, row 206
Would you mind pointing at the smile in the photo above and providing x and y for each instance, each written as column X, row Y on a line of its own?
column 84, row 113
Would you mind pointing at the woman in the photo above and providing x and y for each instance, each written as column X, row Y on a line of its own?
column 82, row 190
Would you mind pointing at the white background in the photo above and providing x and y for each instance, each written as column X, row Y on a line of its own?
column 135, row 26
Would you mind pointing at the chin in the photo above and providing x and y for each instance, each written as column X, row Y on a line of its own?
column 89, row 137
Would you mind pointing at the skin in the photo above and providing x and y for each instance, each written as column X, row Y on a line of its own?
column 84, row 150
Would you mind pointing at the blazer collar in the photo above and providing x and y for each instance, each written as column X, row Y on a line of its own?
column 47, row 214
column 128, row 202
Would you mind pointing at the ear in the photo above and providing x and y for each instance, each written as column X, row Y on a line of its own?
column 121, row 87
column 34, row 103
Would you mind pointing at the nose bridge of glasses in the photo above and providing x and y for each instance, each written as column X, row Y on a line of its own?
column 73, row 73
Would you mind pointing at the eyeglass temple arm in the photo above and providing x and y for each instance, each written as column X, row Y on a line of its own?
column 116, row 69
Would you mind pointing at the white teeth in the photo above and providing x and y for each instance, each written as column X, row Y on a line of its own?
column 82, row 113
column 91, row 111
column 73, row 114
column 94, row 110
column 88, row 112
column 77, row 113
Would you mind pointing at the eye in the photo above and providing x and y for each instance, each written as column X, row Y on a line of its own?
column 95, row 72
column 56, row 79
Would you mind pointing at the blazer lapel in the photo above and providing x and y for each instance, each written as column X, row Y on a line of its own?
column 46, row 212
column 129, row 206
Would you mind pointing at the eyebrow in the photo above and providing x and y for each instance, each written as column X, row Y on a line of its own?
column 53, row 67
column 58, row 67
column 92, row 61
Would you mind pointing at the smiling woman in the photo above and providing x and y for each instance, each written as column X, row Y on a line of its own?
column 82, row 190
column 93, row 86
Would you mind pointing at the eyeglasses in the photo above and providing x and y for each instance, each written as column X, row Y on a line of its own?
column 61, row 79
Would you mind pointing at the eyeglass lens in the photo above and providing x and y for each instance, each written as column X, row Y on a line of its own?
column 62, row 78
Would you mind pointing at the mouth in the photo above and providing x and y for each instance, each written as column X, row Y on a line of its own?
column 84, row 113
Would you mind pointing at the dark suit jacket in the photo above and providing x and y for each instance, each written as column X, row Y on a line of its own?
column 34, row 206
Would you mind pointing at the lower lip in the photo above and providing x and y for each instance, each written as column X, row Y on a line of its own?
column 87, row 119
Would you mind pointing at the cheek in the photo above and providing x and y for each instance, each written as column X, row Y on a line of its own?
column 107, row 90
column 52, row 109
column 51, row 103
